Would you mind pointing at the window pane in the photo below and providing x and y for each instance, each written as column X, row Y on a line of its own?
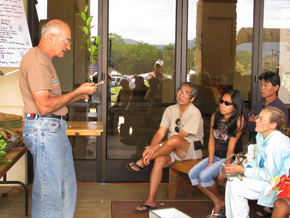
column 141, row 65
column 276, row 43
column 219, row 54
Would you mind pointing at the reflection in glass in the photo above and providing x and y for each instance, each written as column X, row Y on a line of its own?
column 141, row 71
column 276, row 43
column 219, row 53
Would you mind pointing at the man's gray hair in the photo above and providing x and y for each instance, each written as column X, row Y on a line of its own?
column 191, row 85
column 53, row 27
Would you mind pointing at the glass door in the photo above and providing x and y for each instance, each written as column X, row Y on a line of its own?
column 141, row 65
column 219, row 53
column 276, row 43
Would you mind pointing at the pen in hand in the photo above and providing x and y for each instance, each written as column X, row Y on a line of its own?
column 99, row 83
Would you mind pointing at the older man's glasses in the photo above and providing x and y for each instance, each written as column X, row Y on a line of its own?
column 66, row 41
column 185, row 93
column 226, row 102
column 177, row 122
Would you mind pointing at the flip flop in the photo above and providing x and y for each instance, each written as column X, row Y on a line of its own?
column 264, row 213
column 141, row 169
column 148, row 208
column 218, row 215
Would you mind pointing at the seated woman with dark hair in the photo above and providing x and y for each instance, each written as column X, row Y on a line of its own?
column 226, row 129
column 272, row 158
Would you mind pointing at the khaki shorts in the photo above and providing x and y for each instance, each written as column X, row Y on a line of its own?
column 191, row 154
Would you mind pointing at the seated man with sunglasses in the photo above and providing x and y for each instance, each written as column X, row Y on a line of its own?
column 183, row 125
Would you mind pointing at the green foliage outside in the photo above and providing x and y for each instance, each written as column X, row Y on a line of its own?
column 130, row 59
column 191, row 58
column 268, row 65
column 244, row 61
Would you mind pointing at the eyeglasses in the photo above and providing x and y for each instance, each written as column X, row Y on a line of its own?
column 226, row 102
column 177, row 122
column 66, row 41
column 186, row 94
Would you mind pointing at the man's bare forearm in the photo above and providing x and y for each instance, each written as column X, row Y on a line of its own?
column 47, row 104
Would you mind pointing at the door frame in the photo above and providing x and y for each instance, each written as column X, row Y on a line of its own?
column 107, row 167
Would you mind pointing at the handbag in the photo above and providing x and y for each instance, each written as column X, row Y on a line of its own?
column 239, row 161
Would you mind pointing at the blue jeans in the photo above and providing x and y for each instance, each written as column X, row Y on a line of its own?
column 54, row 187
column 200, row 174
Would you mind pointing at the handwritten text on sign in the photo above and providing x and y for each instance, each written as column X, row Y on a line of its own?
column 14, row 35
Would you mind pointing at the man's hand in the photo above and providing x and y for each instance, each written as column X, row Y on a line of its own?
column 253, row 118
column 87, row 89
column 149, row 151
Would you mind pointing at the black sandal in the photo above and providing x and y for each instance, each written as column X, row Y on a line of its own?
column 264, row 213
column 148, row 208
column 140, row 169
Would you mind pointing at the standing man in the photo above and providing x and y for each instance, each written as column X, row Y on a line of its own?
column 269, row 86
column 184, row 125
column 54, row 186
column 157, row 71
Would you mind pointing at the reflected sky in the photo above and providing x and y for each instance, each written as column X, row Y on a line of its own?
column 138, row 19
column 148, row 21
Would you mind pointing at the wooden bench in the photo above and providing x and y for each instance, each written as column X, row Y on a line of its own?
column 178, row 176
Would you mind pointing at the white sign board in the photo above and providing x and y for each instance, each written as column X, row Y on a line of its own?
column 14, row 35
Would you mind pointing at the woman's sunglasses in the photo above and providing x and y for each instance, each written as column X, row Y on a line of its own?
column 226, row 102
column 177, row 122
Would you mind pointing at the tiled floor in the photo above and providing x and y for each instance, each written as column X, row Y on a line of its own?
column 94, row 201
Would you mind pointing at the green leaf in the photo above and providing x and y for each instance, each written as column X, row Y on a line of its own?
column 85, row 30
column 89, row 20
column 94, row 48
column 98, row 38
column 84, row 16
column 86, row 8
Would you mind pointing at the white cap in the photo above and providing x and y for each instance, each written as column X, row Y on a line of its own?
column 160, row 62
